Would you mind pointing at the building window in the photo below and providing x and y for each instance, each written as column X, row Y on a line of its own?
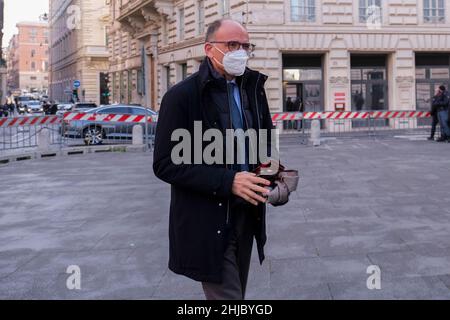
column 121, row 88
column 106, row 36
column 183, row 71
column 33, row 35
column 167, row 77
column 303, row 10
column 33, row 65
column 165, row 31
column 33, row 78
column 201, row 16
column 434, row 11
column 303, row 83
column 369, row 82
column 33, row 53
column 432, row 71
column 140, row 82
column 181, row 23
column 225, row 7
column 129, row 86
column 369, row 10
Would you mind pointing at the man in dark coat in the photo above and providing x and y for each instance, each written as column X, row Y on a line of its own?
column 434, row 121
column 216, row 209
column 441, row 104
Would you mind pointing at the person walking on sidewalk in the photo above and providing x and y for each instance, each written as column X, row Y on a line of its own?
column 216, row 209
column 440, row 102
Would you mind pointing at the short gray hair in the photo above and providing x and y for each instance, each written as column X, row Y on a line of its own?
column 214, row 26
column 212, row 29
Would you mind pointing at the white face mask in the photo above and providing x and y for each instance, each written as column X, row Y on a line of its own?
column 234, row 62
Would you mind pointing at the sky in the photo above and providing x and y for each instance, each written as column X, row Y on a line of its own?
column 21, row 10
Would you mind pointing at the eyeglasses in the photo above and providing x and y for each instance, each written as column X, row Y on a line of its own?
column 236, row 45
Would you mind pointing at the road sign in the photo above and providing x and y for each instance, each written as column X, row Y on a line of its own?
column 76, row 84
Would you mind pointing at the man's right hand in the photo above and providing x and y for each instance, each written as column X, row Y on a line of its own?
column 246, row 185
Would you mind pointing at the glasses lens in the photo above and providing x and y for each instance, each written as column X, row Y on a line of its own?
column 233, row 45
column 248, row 47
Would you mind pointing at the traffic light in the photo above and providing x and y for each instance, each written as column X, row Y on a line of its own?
column 104, row 88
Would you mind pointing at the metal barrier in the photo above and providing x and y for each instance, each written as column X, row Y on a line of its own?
column 74, row 129
column 78, row 129
column 22, row 132
column 373, row 123
column 89, row 129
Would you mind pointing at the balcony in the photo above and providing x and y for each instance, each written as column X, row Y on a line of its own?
column 97, row 51
column 136, row 15
column 132, row 8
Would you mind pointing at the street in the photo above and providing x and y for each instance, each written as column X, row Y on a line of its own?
column 360, row 202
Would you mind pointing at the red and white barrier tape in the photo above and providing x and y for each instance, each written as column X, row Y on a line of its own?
column 339, row 115
column 29, row 121
column 73, row 116
column 349, row 115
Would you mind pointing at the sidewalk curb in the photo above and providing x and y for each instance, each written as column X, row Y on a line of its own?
column 70, row 151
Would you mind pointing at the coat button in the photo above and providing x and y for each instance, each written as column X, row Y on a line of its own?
column 220, row 204
column 214, row 193
column 219, row 232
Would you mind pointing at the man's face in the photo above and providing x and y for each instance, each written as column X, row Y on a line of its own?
column 228, row 31
column 438, row 92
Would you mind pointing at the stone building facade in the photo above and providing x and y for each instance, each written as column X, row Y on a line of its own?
column 28, row 58
column 319, row 54
column 78, row 49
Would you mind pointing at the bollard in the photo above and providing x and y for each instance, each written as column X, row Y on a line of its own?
column 315, row 133
column 43, row 140
column 138, row 135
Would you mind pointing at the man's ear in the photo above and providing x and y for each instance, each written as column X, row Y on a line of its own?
column 208, row 50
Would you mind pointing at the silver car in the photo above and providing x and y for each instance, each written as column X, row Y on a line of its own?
column 34, row 106
column 63, row 108
column 95, row 132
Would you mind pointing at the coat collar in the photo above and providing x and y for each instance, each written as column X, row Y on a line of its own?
column 207, row 74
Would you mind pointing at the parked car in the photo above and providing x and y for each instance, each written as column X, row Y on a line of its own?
column 95, row 132
column 83, row 106
column 34, row 106
column 22, row 103
column 63, row 108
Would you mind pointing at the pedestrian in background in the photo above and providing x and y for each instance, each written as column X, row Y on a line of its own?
column 53, row 108
column 11, row 107
column 5, row 109
column 434, row 121
column 440, row 102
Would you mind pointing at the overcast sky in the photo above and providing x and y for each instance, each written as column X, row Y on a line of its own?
column 21, row 10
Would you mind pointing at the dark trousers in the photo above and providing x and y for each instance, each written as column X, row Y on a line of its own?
column 443, row 122
column 434, row 124
column 236, row 262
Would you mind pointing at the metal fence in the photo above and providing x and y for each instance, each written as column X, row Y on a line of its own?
column 79, row 129
column 351, row 124
column 23, row 132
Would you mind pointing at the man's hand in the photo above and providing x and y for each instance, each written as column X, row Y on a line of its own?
column 246, row 186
